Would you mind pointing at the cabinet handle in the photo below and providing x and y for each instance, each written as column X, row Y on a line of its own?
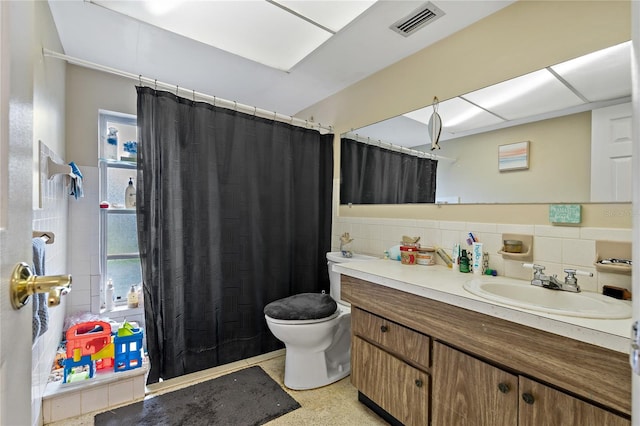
column 503, row 387
column 419, row 383
column 528, row 398
column 384, row 328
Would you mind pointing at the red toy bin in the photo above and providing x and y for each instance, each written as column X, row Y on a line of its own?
column 89, row 338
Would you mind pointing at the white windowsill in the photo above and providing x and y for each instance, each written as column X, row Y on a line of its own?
column 121, row 310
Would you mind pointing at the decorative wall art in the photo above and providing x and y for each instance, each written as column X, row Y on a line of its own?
column 513, row 156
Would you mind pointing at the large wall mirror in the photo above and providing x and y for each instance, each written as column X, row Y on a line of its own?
column 558, row 135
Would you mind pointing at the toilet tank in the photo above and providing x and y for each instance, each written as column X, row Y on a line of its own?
column 334, row 277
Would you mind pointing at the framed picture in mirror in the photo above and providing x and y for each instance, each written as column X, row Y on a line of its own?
column 513, row 156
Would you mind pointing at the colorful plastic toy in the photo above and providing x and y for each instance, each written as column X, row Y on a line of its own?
column 94, row 342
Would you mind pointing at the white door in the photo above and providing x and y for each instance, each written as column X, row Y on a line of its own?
column 611, row 145
column 635, row 83
column 16, row 161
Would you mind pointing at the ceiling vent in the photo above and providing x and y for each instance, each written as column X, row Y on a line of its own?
column 425, row 14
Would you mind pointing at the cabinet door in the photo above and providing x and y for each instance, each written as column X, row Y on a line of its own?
column 541, row 405
column 467, row 391
column 401, row 390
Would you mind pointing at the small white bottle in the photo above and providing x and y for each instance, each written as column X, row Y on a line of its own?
column 132, row 297
column 130, row 195
column 108, row 298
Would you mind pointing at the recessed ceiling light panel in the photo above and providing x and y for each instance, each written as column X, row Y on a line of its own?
column 542, row 91
column 601, row 75
column 262, row 31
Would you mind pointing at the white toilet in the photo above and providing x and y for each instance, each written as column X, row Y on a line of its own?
column 316, row 331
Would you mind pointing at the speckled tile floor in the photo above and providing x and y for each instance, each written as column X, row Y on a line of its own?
column 335, row 405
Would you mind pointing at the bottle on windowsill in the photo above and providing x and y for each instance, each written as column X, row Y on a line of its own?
column 108, row 298
column 132, row 297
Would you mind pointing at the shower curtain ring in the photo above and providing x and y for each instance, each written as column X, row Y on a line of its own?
column 194, row 95
column 214, row 101
column 255, row 110
column 155, row 84
column 176, row 90
column 235, row 106
column 140, row 79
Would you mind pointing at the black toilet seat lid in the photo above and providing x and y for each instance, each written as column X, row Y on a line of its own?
column 304, row 306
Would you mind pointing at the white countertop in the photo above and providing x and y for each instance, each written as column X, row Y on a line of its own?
column 446, row 285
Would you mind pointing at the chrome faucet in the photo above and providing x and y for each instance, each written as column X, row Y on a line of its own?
column 570, row 282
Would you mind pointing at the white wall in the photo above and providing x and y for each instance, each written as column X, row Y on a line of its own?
column 88, row 92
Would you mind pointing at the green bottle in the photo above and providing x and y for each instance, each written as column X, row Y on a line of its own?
column 464, row 262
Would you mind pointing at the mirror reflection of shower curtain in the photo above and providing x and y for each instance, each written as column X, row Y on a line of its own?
column 234, row 211
column 370, row 174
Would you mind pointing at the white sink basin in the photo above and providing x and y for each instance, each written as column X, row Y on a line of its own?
column 524, row 295
column 337, row 257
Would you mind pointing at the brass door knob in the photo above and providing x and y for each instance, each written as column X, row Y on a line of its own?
column 23, row 284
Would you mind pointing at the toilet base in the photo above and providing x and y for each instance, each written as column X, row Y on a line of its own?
column 304, row 370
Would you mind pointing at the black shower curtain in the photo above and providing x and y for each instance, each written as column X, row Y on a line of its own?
column 233, row 212
column 373, row 175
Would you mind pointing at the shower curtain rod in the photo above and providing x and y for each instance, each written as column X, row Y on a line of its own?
column 225, row 103
column 399, row 148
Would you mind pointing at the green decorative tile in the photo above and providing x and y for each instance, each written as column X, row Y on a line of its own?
column 565, row 213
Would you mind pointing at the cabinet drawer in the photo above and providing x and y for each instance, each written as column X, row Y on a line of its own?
column 401, row 390
column 403, row 342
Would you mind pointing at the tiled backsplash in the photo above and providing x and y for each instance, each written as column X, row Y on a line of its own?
column 555, row 247
column 51, row 217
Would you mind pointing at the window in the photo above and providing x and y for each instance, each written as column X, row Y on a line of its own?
column 119, row 253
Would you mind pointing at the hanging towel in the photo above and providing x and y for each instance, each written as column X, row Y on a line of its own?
column 76, row 181
column 40, row 307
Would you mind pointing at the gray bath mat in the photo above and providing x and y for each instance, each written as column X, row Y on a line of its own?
column 245, row 397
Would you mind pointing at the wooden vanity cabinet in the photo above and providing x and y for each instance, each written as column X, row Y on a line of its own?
column 540, row 405
column 395, row 386
column 474, row 369
column 389, row 365
column 468, row 391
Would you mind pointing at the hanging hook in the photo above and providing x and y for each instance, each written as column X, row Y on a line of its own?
column 155, row 84
column 255, row 110
column 176, row 90
column 140, row 79
column 214, row 101
column 435, row 103
column 235, row 106
column 274, row 115
column 194, row 95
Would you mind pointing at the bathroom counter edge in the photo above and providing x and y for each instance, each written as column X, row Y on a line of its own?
column 444, row 285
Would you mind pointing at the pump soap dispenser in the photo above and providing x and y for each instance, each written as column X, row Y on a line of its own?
column 130, row 195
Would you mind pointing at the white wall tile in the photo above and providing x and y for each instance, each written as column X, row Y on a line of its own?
column 547, row 249
column 94, row 399
column 579, row 252
column 515, row 229
column 557, row 231
column 65, row 406
column 606, row 234
column 120, row 392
